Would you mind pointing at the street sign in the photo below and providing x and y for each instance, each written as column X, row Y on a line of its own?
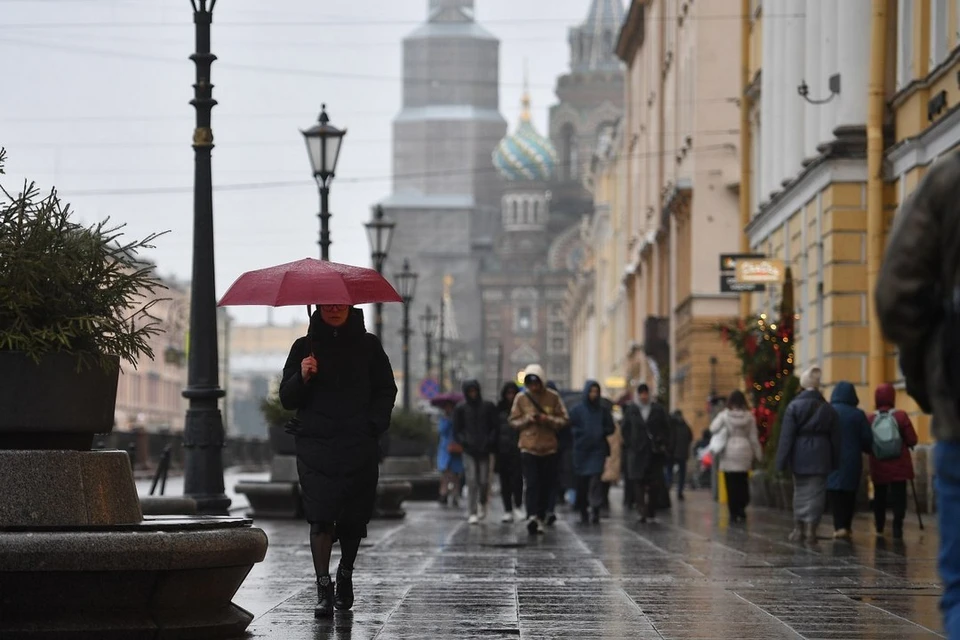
column 763, row 271
column 429, row 389
column 729, row 269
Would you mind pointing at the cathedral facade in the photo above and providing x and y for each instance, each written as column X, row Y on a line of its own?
column 543, row 205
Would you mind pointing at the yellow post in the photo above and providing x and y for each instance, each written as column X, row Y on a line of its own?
column 745, row 145
column 875, row 232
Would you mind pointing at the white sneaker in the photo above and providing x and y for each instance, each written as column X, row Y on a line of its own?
column 507, row 517
column 518, row 514
column 473, row 520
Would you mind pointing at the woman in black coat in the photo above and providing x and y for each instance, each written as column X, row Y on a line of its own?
column 340, row 381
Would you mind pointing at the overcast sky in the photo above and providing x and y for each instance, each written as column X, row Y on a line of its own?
column 95, row 100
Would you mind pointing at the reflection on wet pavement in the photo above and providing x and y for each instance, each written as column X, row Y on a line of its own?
column 690, row 576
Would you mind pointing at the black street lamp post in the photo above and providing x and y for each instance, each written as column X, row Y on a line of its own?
column 443, row 344
column 428, row 327
column 406, row 287
column 323, row 147
column 380, row 235
column 203, row 429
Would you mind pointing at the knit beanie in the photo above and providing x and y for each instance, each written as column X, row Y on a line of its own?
column 810, row 379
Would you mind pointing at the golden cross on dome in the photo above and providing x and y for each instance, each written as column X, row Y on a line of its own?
column 525, row 101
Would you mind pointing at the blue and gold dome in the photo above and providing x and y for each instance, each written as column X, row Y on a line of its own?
column 525, row 155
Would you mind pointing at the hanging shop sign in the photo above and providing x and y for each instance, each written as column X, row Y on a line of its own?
column 729, row 282
column 764, row 270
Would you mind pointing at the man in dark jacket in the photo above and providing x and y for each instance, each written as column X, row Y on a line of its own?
column 646, row 433
column 680, row 448
column 855, row 440
column 339, row 380
column 509, row 466
column 810, row 447
column 475, row 426
column 917, row 284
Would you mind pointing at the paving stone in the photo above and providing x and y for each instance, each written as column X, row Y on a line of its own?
column 691, row 576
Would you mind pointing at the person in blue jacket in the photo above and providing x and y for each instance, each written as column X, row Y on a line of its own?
column 856, row 439
column 449, row 458
column 590, row 424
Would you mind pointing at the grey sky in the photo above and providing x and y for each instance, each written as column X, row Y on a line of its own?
column 104, row 108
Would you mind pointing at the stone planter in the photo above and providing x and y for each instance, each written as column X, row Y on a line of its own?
column 84, row 401
column 758, row 489
column 77, row 558
column 398, row 447
column 281, row 442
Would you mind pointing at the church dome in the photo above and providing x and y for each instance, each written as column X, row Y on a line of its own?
column 525, row 154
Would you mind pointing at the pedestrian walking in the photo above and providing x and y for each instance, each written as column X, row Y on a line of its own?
column 508, row 456
column 449, row 457
column 891, row 466
column 612, row 466
column 680, row 452
column 475, row 426
column 645, row 438
column 734, row 439
column 590, row 425
column 918, row 304
column 339, row 380
column 809, row 447
column 538, row 414
column 855, row 440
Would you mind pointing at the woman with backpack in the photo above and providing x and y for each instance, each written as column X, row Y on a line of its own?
column 891, row 466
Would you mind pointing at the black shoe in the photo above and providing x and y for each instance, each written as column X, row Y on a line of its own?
column 532, row 526
column 344, row 598
column 595, row 518
column 324, row 608
column 551, row 519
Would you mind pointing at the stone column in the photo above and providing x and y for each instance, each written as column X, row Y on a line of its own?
column 814, row 78
column 828, row 67
column 853, row 61
column 777, row 161
column 793, row 105
column 767, row 123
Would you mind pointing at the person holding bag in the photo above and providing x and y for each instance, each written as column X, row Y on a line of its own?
column 736, row 441
column 449, row 457
column 538, row 413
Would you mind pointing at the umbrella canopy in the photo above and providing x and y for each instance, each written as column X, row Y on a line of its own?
column 307, row 282
column 446, row 398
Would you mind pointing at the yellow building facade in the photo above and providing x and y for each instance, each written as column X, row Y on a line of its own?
column 879, row 77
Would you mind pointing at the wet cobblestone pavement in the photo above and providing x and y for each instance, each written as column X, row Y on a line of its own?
column 690, row 576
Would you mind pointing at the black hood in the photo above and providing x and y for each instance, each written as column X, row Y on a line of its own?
column 471, row 384
column 320, row 331
column 508, row 386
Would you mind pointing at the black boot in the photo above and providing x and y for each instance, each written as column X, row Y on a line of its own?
column 324, row 608
column 344, row 599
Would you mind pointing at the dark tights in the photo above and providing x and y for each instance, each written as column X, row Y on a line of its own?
column 321, row 546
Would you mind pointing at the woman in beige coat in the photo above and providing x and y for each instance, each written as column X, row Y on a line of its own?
column 612, row 466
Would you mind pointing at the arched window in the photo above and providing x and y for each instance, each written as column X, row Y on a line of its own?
column 526, row 211
column 536, row 212
column 514, row 207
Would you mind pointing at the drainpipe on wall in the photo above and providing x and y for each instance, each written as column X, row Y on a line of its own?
column 745, row 144
column 876, row 104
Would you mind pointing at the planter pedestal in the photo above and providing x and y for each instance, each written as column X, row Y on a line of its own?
column 417, row 471
column 78, row 561
column 278, row 497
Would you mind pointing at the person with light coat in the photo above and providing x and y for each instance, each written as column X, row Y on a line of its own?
column 734, row 438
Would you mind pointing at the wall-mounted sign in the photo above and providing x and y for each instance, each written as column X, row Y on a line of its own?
column 729, row 282
column 764, row 270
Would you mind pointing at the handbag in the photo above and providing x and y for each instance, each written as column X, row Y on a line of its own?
column 455, row 448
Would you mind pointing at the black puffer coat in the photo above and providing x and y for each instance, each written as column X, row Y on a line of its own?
column 810, row 437
column 343, row 410
column 508, row 438
column 476, row 422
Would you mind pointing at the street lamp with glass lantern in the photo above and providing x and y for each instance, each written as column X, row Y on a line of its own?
column 406, row 287
column 323, row 147
column 380, row 235
column 428, row 327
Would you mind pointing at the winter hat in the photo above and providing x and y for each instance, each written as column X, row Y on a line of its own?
column 534, row 372
column 810, row 379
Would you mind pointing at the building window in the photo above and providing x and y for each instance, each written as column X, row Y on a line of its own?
column 904, row 43
column 939, row 32
column 558, row 344
column 514, row 207
column 524, row 319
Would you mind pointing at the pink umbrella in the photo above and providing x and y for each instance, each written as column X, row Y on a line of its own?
column 309, row 282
